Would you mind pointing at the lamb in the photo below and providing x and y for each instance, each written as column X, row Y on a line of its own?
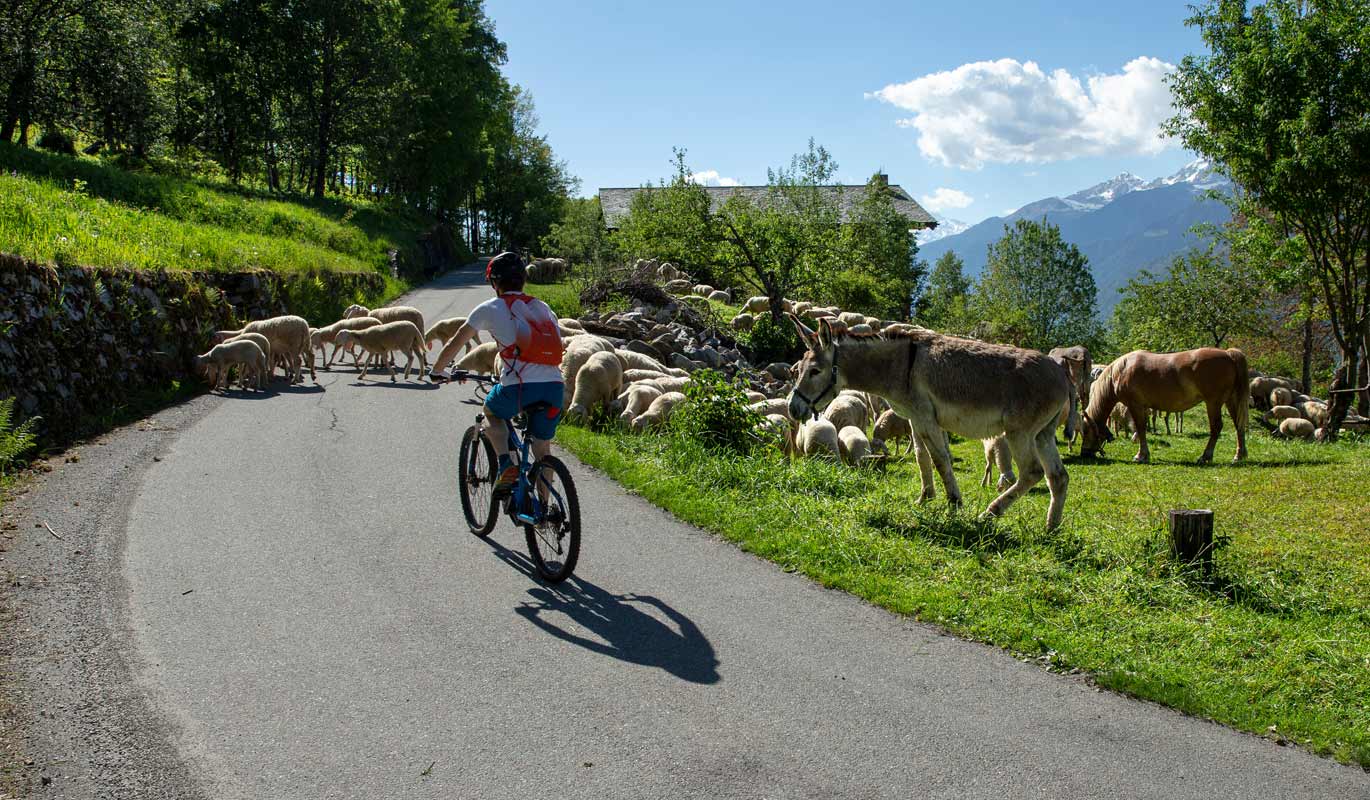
column 802, row 307
column 380, row 340
column 598, row 382
column 245, row 353
column 263, row 376
column 443, row 330
column 577, row 352
column 289, row 337
column 659, row 411
column 890, row 427
column 853, row 445
column 630, row 359
column 481, row 359
column 817, row 438
column 1296, row 429
column 997, row 455
column 848, row 408
column 633, row 402
column 329, row 335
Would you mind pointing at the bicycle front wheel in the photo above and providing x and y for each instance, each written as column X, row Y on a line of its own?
column 554, row 541
column 476, row 468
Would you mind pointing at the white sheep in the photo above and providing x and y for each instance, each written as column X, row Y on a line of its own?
column 571, row 323
column 388, row 314
column 848, row 408
column 702, row 289
column 817, row 438
column 853, row 445
column 720, row 296
column 850, row 318
column 1280, row 412
column 598, row 382
column 1280, row 396
column 635, row 375
column 1296, row 428
column 782, row 427
column 482, row 359
column 670, row 383
column 756, row 305
column 677, row 286
column 1315, row 411
column 329, row 335
column 244, row 353
column 997, row 454
column 890, row 427
column 578, row 351
column 659, row 411
column 742, row 322
column 778, row 405
column 862, row 328
column 633, row 402
column 753, row 396
column 262, row 376
column 444, row 329
column 380, row 340
column 631, row 359
column 289, row 337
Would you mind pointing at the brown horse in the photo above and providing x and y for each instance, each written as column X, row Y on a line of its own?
column 1142, row 381
column 938, row 383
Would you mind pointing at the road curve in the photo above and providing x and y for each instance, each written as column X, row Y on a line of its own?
column 306, row 610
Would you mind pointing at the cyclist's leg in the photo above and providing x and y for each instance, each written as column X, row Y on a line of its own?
column 542, row 426
column 501, row 405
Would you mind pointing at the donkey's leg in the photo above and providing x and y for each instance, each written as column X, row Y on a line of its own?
column 1049, row 459
column 1215, row 427
column 935, row 441
column 921, row 450
column 1029, row 471
column 1139, row 415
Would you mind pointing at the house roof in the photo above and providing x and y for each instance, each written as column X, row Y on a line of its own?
column 615, row 201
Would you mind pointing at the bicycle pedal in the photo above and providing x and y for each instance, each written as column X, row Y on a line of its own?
column 527, row 519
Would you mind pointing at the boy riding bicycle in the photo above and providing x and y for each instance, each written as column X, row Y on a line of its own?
column 530, row 341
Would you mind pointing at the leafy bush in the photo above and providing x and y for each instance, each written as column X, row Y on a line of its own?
column 771, row 341
column 14, row 441
column 716, row 413
column 57, row 142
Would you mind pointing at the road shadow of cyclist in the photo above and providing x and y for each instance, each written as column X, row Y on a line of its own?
column 622, row 626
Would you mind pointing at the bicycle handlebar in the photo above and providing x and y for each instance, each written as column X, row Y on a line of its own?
column 461, row 376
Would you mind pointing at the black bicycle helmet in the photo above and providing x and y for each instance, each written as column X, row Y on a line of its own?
column 505, row 267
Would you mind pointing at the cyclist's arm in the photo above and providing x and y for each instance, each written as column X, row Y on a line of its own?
column 463, row 335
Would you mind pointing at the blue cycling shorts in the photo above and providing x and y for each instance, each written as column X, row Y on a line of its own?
column 505, row 402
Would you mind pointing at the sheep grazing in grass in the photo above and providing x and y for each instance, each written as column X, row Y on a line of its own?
column 702, row 289
column 670, row 383
column 381, row 340
column 481, row 359
column 778, row 405
column 445, row 329
column 1296, row 428
column 742, row 322
column 659, row 411
column 782, row 428
column 1315, row 411
column 578, row 351
column 262, row 376
column 598, row 382
column 631, row 376
column 853, row 445
column 720, row 296
column 997, row 455
column 817, row 438
column 243, row 353
column 756, row 305
column 1280, row 396
column 633, row 402
column 289, row 337
column 1284, row 412
column 848, row 408
column 329, row 335
column 890, row 427
column 631, row 359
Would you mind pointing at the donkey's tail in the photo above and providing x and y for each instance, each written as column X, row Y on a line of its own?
column 1242, row 398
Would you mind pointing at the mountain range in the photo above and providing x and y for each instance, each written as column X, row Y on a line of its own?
column 1122, row 225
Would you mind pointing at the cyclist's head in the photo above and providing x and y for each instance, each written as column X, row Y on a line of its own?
column 506, row 272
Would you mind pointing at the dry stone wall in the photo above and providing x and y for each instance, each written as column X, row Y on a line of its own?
column 77, row 342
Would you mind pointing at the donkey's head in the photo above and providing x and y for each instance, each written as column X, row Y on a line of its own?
column 817, row 378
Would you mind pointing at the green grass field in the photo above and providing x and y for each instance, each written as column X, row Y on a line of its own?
column 1277, row 642
column 78, row 210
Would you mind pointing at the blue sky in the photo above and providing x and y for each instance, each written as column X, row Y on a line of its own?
column 995, row 104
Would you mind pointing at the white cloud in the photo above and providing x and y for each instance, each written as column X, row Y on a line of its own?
column 944, row 198
column 710, row 177
column 1008, row 111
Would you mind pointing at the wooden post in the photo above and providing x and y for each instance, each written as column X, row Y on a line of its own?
column 1191, row 537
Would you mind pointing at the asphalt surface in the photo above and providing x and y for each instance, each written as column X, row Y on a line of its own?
column 287, row 605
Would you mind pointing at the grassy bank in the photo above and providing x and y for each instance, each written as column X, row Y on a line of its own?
column 79, row 210
column 1277, row 643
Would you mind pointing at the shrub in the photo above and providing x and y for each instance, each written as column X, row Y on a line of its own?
column 14, row 441
column 770, row 341
column 716, row 413
column 57, row 142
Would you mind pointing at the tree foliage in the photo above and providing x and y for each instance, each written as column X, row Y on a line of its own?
column 1204, row 300
column 946, row 304
column 1280, row 102
column 1037, row 290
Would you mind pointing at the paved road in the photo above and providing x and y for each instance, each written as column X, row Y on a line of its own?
column 308, row 615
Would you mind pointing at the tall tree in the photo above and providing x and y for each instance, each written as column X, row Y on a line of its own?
column 1040, row 287
column 1280, row 102
column 884, row 275
column 948, row 293
column 1204, row 300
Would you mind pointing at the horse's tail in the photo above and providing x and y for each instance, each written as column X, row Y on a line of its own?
column 1243, row 388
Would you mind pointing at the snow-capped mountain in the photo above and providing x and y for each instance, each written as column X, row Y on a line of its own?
column 946, row 226
column 1123, row 225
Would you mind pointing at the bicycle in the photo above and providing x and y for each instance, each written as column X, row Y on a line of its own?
column 543, row 500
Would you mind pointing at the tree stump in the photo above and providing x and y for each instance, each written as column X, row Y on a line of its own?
column 1191, row 537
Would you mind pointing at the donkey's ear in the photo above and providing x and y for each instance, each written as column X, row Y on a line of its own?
column 806, row 334
column 825, row 335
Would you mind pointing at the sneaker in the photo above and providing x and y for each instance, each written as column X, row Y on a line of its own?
column 505, row 483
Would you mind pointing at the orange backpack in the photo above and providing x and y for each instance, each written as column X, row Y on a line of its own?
column 537, row 337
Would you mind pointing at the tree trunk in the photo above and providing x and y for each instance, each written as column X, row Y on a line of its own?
column 1345, row 378
column 325, row 125
column 1308, row 353
column 1363, row 401
column 1191, row 537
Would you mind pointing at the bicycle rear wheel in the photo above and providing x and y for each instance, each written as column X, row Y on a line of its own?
column 476, row 469
column 554, row 542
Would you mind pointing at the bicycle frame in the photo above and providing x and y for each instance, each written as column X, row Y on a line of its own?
column 523, row 488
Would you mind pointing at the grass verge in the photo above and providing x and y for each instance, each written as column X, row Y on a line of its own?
column 1276, row 643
